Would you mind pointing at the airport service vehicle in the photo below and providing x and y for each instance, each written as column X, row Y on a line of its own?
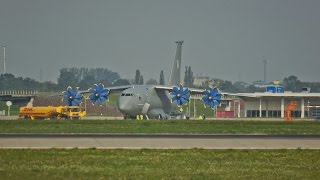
column 51, row 112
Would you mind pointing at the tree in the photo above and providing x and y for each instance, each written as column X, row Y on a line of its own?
column 152, row 82
column 120, row 82
column 10, row 82
column 66, row 78
column 188, row 77
column 223, row 85
column 86, row 82
column 83, row 77
column 292, row 83
column 251, row 89
column 49, row 86
column 137, row 77
column 240, row 86
column 161, row 81
column 141, row 80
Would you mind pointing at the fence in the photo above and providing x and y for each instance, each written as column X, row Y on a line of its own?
column 18, row 92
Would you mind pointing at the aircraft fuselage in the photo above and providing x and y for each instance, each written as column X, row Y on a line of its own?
column 145, row 100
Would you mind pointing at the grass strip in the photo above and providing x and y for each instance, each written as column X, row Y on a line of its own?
column 156, row 126
column 159, row 164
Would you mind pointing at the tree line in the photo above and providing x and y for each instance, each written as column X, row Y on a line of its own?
column 74, row 77
column 86, row 77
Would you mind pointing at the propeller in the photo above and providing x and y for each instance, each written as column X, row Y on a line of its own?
column 72, row 97
column 211, row 97
column 180, row 95
column 99, row 94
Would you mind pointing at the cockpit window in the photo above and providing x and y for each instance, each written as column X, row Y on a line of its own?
column 126, row 94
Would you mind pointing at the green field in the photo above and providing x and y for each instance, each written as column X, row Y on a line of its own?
column 159, row 164
column 157, row 126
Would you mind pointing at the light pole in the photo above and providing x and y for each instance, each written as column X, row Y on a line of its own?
column 4, row 58
column 265, row 61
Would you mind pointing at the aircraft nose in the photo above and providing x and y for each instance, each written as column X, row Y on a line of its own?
column 123, row 106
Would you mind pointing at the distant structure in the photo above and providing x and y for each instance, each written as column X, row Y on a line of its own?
column 265, row 70
column 4, row 58
column 201, row 81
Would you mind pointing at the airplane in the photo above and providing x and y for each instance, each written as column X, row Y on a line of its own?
column 151, row 101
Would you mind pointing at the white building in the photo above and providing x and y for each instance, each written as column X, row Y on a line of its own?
column 275, row 104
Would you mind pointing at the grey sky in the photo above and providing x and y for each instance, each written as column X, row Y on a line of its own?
column 225, row 39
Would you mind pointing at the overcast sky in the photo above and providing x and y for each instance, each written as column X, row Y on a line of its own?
column 225, row 39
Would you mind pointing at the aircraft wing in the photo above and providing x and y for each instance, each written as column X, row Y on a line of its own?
column 111, row 89
column 119, row 88
column 192, row 90
column 169, row 88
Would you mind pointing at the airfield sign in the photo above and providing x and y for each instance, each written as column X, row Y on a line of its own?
column 9, row 103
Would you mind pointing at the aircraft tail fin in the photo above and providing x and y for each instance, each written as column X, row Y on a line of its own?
column 176, row 67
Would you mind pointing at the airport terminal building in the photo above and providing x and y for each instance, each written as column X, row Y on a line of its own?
column 277, row 104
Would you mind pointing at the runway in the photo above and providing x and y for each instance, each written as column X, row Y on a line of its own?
column 125, row 141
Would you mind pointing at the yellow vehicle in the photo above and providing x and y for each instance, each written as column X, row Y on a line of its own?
column 51, row 112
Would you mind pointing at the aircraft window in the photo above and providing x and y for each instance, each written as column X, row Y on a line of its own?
column 124, row 94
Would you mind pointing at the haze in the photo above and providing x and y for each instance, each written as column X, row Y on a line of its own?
column 225, row 39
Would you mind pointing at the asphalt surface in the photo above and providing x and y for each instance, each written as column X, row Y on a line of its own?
column 159, row 141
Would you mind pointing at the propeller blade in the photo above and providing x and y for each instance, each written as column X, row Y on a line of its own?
column 175, row 90
column 183, row 101
column 103, row 99
column 174, row 98
column 205, row 98
column 181, row 88
column 75, row 102
column 211, row 104
column 187, row 97
column 99, row 88
column 216, row 102
column 185, row 91
column 217, row 96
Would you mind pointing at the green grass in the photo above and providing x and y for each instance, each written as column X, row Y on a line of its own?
column 159, row 164
column 157, row 126
column 14, row 109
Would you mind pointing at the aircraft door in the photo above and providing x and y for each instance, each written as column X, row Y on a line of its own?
column 145, row 108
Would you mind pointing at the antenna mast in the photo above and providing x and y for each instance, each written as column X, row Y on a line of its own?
column 265, row 61
column 4, row 58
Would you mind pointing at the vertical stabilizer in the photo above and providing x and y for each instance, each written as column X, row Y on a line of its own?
column 176, row 67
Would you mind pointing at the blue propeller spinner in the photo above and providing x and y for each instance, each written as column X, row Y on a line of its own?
column 180, row 95
column 99, row 94
column 72, row 97
column 211, row 97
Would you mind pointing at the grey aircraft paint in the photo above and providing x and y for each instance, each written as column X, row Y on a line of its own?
column 175, row 71
column 145, row 100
